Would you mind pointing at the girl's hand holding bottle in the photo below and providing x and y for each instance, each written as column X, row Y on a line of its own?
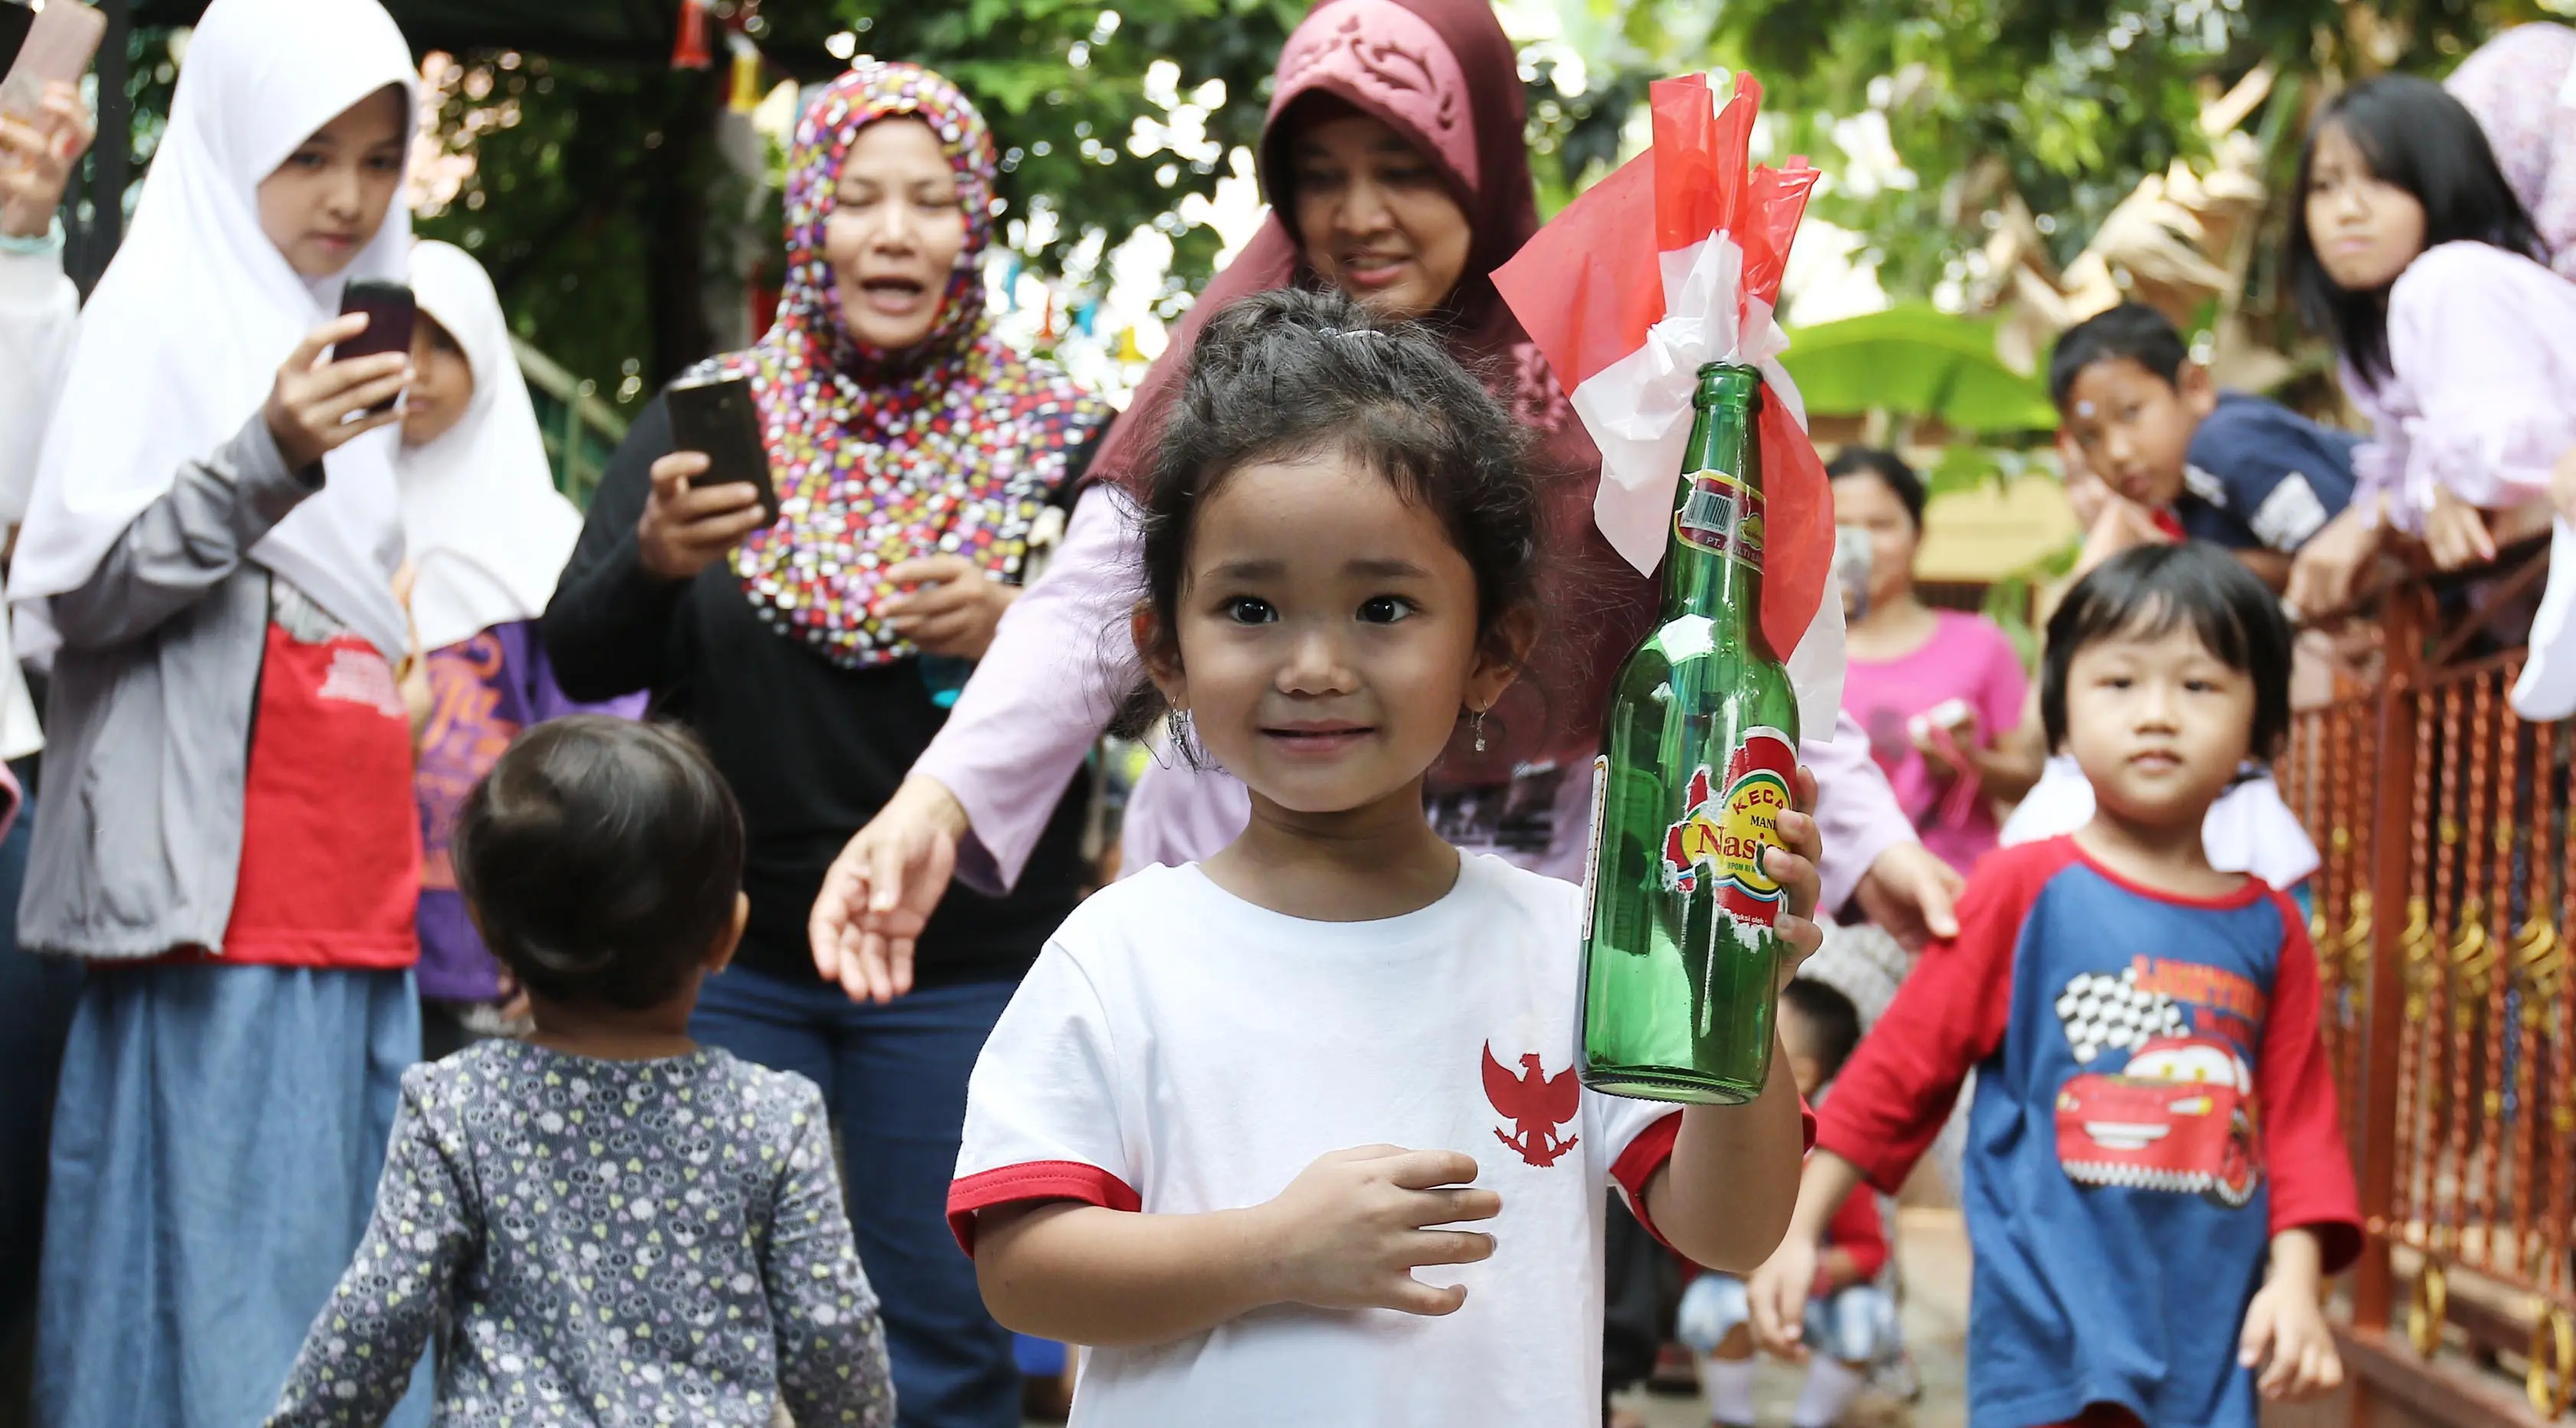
column 318, row 406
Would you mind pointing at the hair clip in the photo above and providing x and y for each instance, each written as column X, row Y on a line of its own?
column 1347, row 333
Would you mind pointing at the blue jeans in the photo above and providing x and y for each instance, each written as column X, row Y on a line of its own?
column 36, row 999
column 894, row 1078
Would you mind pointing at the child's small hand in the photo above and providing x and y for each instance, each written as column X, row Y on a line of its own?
column 1778, row 1293
column 1353, row 1226
column 2286, row 1337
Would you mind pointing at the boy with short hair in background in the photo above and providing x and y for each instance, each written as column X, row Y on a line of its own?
column 2204, row 464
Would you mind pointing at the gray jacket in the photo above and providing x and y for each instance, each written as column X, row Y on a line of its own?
column 148, row 719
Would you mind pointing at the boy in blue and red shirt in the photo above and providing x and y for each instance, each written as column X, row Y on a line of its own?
column 2247, row 474
column 2156, row 1182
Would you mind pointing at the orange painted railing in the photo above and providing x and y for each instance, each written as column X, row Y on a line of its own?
column 2450, row 997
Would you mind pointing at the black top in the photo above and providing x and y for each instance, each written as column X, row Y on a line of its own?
column 812, row 750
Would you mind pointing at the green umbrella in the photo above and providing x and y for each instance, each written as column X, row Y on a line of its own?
column 1917, row 361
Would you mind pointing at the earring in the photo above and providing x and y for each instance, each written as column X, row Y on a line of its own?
column 1476, row 725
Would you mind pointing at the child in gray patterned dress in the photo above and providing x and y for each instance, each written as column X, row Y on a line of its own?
column 605, row 1223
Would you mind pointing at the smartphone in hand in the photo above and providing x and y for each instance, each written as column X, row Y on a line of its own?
column 390, row 312
column 59, row 42
column 716, row 415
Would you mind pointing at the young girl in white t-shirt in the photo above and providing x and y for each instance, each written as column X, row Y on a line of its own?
column 1237, row 1104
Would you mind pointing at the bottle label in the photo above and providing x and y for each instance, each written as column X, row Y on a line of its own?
column 1725, row 827
column 1724, row 516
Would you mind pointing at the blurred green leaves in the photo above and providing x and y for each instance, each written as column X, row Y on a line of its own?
column 1913, row 360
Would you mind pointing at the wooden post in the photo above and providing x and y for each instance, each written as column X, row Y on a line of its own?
column 2392, row 772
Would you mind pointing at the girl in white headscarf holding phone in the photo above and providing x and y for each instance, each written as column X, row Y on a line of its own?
column 488, row 534
column 208, row 562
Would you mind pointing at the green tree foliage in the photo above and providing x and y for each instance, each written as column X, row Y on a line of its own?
column 592, row 203
column 2070, row 102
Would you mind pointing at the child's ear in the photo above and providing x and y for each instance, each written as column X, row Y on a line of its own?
column 720, row 955
column 2199, row 391
column 1500, row 656
column 1160, row 650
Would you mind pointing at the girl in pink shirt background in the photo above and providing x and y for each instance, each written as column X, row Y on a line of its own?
column 1935, row 689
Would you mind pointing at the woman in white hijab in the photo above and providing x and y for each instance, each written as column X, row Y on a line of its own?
column 207, row 561
column 488, row 534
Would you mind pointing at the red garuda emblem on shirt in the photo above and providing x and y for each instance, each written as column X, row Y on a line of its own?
column 1536, row 1104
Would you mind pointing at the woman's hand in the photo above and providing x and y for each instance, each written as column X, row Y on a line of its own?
column 36, row 160
column 882, row 889
column 2455, row 533
column 2325, row 570
column 317, row 406
column 1911, row 894
column 684, row 530
column 953, row 607
column 2562, row 486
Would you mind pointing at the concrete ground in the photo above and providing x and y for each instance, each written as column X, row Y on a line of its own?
column 1932, row 1252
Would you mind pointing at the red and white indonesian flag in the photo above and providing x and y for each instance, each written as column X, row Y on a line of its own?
column 1672, row 262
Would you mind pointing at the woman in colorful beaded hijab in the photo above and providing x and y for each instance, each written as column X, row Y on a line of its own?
column 947, row 443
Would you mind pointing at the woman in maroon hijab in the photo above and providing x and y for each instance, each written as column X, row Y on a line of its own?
column 1395, row 163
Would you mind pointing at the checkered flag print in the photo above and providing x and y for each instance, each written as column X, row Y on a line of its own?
column 2103, row 1012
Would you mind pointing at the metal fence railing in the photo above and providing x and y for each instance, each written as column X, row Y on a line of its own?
column 2450, row 1010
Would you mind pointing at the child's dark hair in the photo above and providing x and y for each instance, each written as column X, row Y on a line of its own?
column 602, row 858
column 1288, row 374
column 2133, row 331
column 1889, row 469
column 2419, row 138
column 1833, row 1023
column 2148, row 590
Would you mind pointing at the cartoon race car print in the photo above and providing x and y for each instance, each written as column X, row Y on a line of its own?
column 2178, row 1117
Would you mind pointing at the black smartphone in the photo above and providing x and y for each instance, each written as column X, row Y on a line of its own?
column 716, row 415
column 390, row 312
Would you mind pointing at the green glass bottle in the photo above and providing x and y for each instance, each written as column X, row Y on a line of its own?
column 1699, row 754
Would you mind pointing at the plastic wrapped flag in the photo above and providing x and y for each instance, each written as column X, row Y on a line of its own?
column 1671, row 262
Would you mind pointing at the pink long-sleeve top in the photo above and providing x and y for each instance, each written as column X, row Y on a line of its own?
column 1060, row 664
column 2481, row 398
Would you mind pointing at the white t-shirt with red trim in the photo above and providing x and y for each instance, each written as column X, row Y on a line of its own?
column 1177, row 1050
